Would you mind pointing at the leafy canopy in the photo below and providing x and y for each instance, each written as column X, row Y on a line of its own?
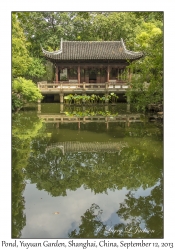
column 20, row 55
column 27, row 89
column 23, row 64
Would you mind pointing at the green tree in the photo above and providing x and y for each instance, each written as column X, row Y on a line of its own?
column 147, row 80
column 46, row 29
column 83, row 26
column 23, row 65
column 20, row 54
column 141, row 31
column 36, row 70
column 116, row 25
column 24, row 91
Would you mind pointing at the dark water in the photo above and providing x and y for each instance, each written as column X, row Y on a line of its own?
column 97, row 173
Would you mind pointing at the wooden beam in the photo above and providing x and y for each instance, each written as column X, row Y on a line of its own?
column 92, row 64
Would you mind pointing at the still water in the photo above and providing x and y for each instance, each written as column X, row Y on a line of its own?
column 81, row 172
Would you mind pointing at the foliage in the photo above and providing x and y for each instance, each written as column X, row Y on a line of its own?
column 91, row 224
column 63, row 78
column 83, row 26
column 49, row 71
column 24, row 129
column 136, row 166
column 141, row 217
column 116, row 25
column 89, row 113
column 18, row 185
column 89, row 99
column 24, row 91
column 147, row 80
column 141, row 31
column 20, row 54
column 36, row 69
column 56, row 25
column 23, row 64
column 17, row 101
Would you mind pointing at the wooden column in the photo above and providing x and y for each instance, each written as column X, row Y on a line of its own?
column 78, row 73
column 61, row 97
column 56, row 73
column 108, row 73
column 61, row 107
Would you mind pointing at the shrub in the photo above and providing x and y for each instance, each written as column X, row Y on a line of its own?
column 24, row 91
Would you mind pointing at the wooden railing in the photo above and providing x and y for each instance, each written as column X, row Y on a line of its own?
column 67, row 86
column 86, row 119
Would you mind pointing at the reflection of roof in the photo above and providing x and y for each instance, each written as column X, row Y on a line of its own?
column 76, row 146
column 92, row 50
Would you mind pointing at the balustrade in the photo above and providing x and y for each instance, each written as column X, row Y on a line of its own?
column 66, row 85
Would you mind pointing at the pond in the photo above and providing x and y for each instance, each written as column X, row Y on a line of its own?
column 86, row 172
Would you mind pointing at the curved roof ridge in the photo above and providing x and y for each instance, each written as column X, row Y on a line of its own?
column 92, row 50
column 129, row 51
column 54, row 52
column 134, row 52
column 93, row 41
column 51, row 52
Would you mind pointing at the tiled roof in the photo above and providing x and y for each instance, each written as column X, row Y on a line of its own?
column 92, row 50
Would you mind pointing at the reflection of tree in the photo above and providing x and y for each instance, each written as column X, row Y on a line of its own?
column 18, row 185
column 23, row 130
column 56, row 173
column 143, row 218
column 91, row 226
column 147, row 211
column 139, row 130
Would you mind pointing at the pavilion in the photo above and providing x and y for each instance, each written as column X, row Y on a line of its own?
column 92, row 61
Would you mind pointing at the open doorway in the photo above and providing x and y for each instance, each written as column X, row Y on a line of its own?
column 92, row 77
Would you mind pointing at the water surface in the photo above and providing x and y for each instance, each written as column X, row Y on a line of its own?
column 86, row 172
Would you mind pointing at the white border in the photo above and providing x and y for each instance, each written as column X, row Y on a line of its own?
column 5, row 100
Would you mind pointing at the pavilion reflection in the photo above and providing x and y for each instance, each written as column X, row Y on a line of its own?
column 76, row 146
